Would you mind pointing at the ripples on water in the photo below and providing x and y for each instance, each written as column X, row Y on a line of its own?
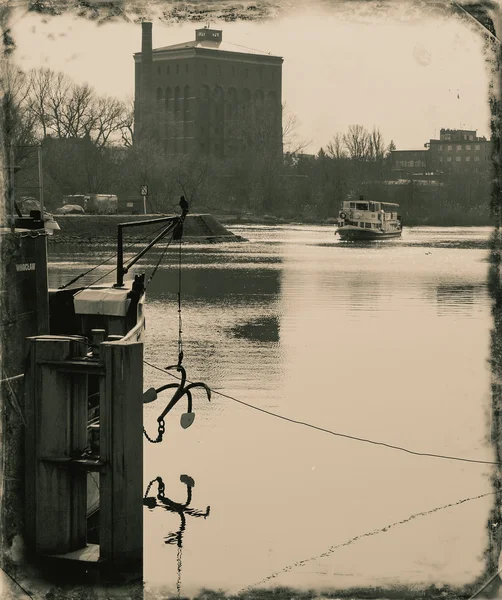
column 388, row 341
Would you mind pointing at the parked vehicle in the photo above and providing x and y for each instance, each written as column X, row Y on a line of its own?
column 94, row 204
column 70, row 209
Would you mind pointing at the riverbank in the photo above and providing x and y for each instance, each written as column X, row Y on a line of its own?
column 206, row 228
column 410, row 221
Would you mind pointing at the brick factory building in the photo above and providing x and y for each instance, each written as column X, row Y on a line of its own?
column 456, row 149
column 460, row 149
column 202, row 96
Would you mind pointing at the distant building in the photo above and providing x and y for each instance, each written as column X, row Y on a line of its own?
column 456, row 149
column 410, row 161
column 460, row 149
column 194, row 96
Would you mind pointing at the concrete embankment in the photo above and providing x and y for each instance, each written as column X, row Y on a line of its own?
column 98, row 228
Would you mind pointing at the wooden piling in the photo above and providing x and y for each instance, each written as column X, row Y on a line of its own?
column 121, row 523
column 56, row 398
column 55, row 433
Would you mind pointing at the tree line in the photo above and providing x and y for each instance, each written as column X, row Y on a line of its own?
column 87, row 148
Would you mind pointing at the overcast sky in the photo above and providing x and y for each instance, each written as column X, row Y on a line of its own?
column 408, row 76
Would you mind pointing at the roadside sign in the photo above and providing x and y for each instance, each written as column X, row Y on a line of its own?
column 144, row 190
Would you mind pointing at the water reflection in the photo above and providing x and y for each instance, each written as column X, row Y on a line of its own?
column 160, row 500
column 204, row 285
column 459, row 297
column 263, row 329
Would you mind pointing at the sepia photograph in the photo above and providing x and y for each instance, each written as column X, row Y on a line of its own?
column 251, row 300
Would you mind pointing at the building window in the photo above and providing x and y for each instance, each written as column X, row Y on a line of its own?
column 471, row 138
column 450, row 148
column 246, row 73
column 204, row 70
column 177, row 69
column 440, row 148
column 476, row 158
column 440, row 159
column 467, row 158
column 449, row 159
column 158, row 70
column 458, row 158
column 459, row 148
column 468, row 147
column 477, row 148
column 218, row 69
column 186, row 68
column 168, row 68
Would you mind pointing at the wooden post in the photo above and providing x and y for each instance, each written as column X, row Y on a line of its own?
column 55, row 497
column 57, row 391
column 42, row 290
column 121, row 439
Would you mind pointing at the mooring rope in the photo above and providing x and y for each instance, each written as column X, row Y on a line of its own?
column 335, row 433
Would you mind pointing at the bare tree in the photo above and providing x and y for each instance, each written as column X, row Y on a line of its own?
column 377, row 145
column 291, row 141
column 357, row 140
column 127, row 126
column 64, row 109
column 336, row 147
column 18, row 122
column 191, row 174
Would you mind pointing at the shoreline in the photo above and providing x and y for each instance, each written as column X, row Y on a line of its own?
column 205, row 229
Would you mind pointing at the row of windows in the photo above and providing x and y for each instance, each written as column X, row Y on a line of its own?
column 218, row 95
column 218, row 70
column 459, row 158
column 410, row 163
column 447, row 136
column 459, row 148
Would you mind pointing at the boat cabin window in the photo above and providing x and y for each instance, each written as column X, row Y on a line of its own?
column 367, row 225
column 361, row 206
column 352, row 204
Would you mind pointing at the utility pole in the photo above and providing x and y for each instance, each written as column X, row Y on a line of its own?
column 41, row 181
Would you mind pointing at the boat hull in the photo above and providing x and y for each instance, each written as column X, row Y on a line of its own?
column 356, row 233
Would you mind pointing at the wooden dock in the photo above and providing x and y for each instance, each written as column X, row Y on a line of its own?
column 58, row 378
column 46, row 383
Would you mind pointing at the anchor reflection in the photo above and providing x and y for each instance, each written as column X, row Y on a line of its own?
column 160, row 500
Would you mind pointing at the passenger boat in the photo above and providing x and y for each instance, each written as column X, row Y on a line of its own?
column 364, row 220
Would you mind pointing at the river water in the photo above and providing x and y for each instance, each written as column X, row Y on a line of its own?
column 388, row 342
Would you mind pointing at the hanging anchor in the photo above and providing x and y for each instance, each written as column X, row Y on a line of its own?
column 182, row 389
